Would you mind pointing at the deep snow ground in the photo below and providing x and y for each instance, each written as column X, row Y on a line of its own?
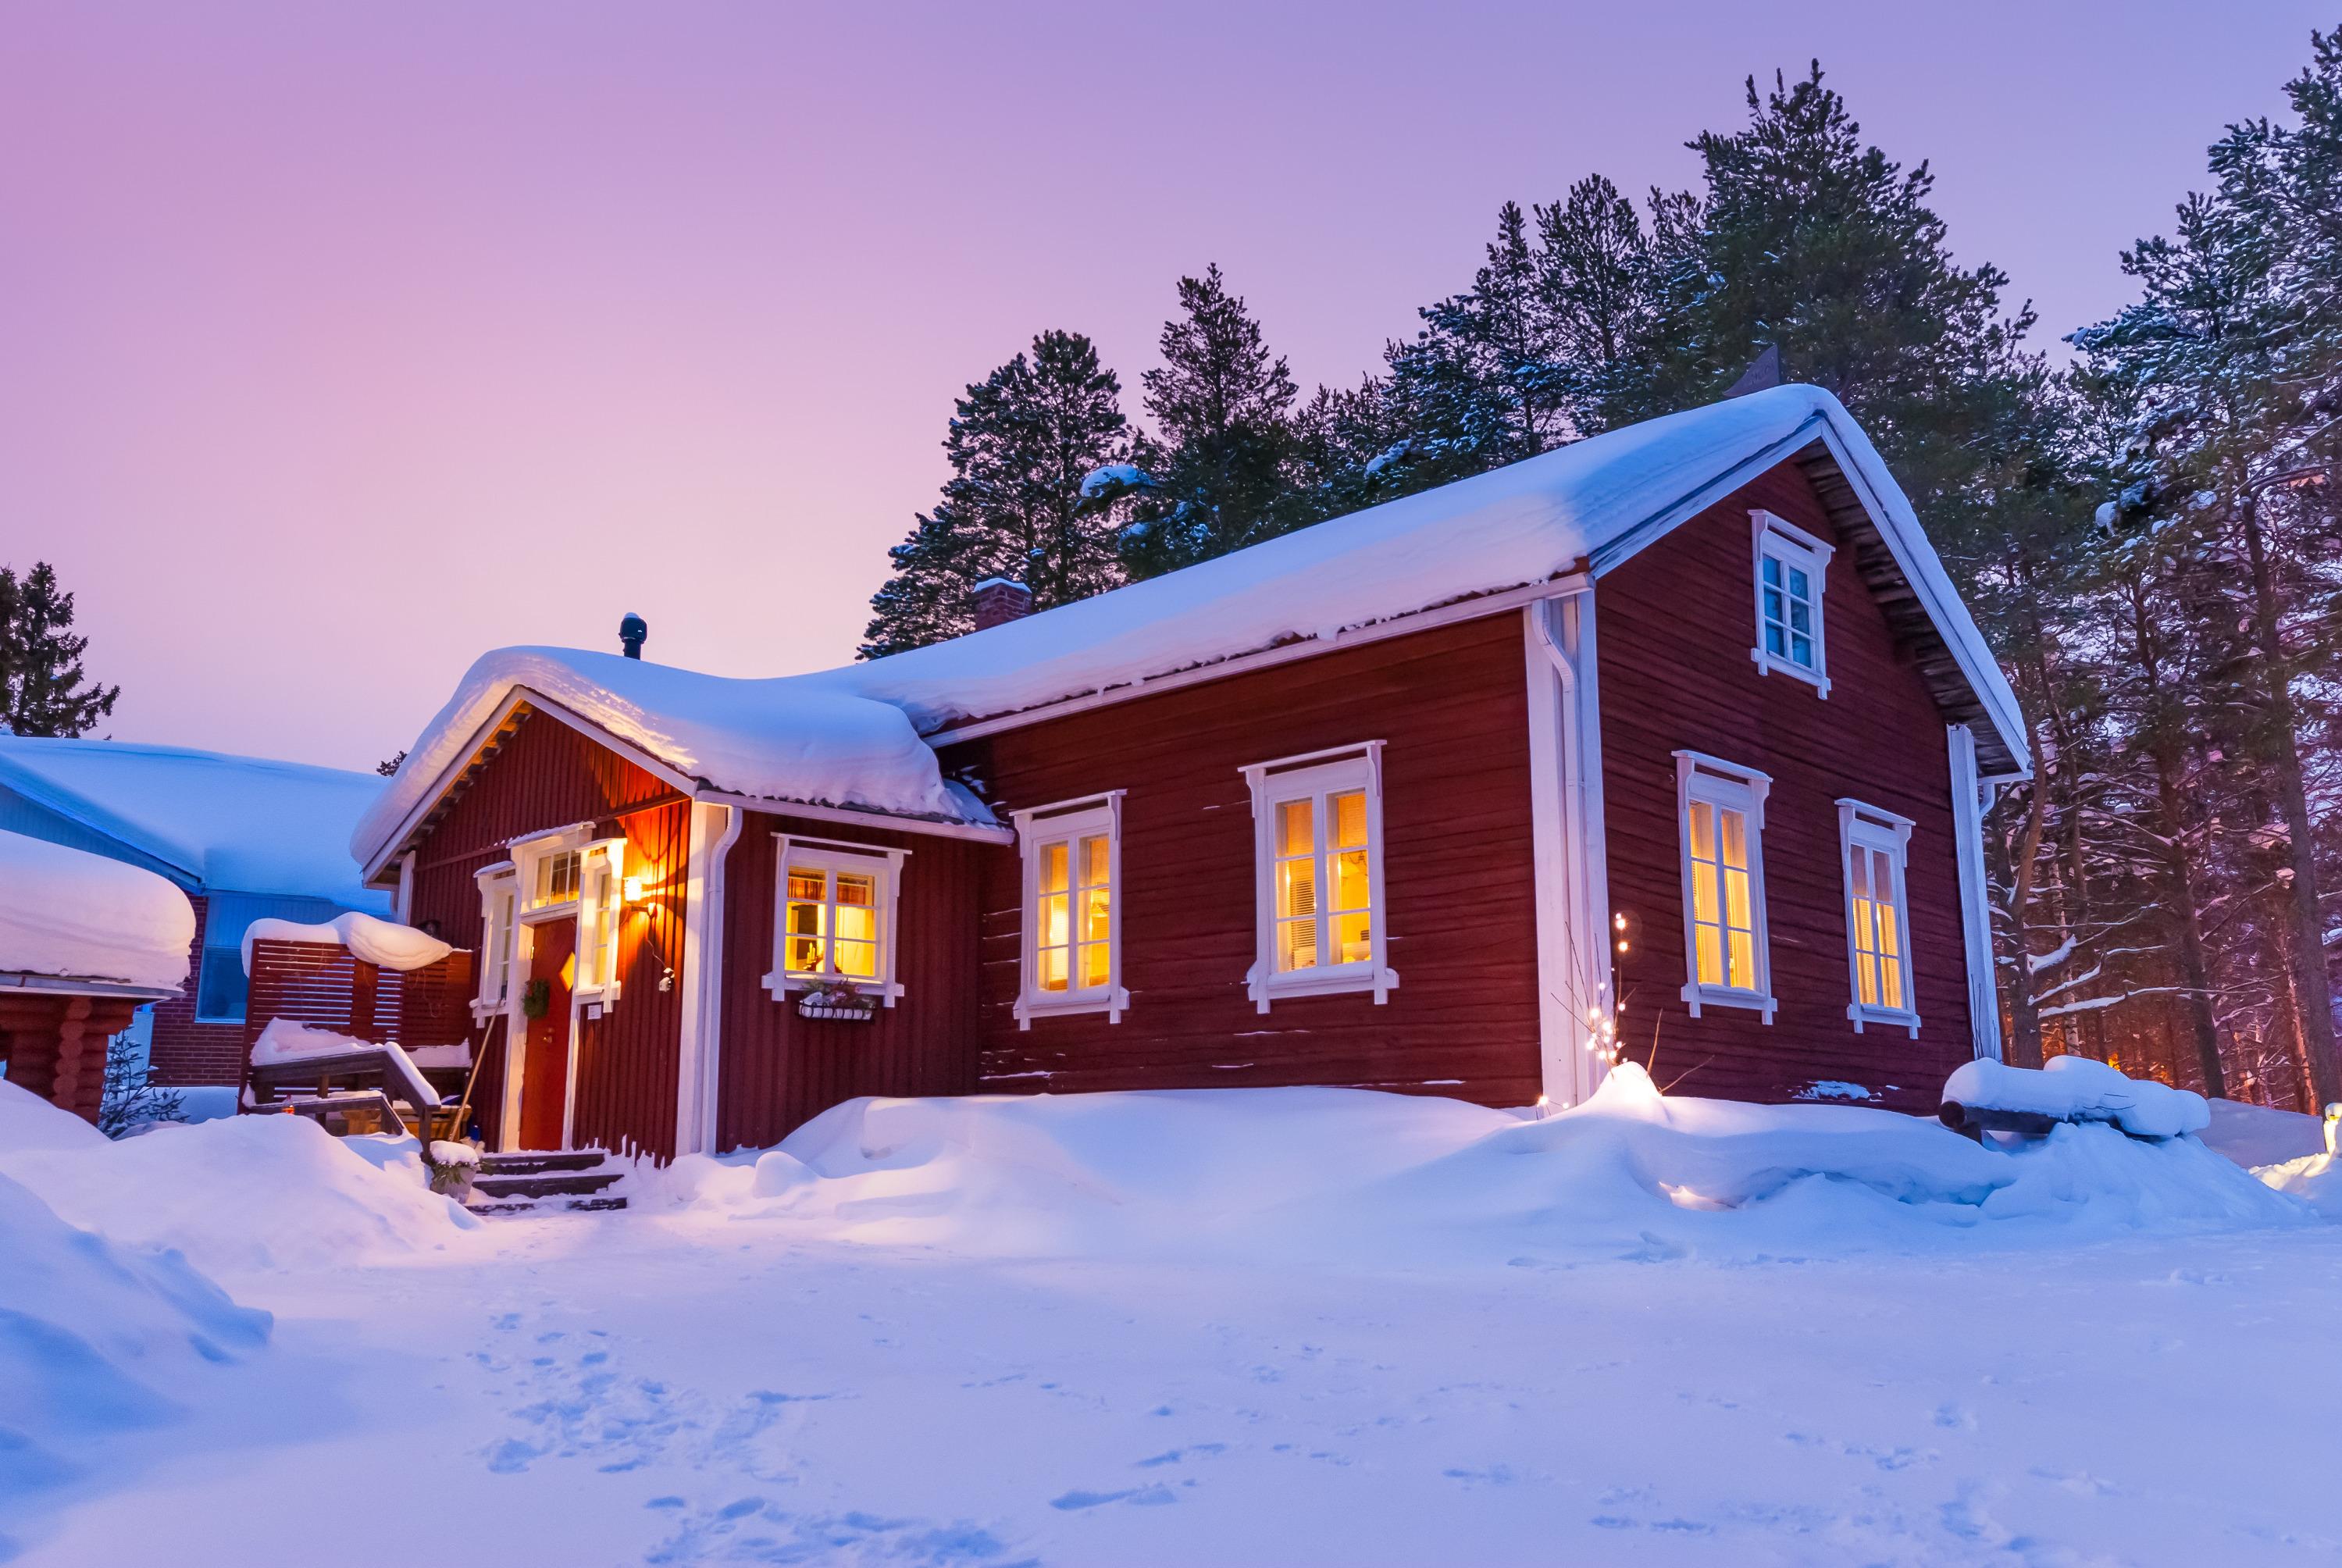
column 1097, row 1333
column 645, row 1389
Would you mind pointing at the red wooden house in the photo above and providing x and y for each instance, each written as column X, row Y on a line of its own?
column 1673, row 742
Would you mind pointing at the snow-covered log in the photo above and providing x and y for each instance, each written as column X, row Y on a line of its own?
column 1986, row 1095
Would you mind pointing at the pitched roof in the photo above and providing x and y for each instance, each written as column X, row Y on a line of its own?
column 1590, row 505
column 231, row 824
column 850, row 736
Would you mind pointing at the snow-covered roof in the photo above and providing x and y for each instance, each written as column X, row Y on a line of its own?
column 1590, row 503
column 790, row 739
column 70, row 915
column 852, row 736
column 229, row 824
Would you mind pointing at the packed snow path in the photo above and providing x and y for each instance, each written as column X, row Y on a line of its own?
column 633, row 1388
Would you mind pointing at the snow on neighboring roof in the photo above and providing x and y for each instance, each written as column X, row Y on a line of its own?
column 1592, row 503
column 789, row 739
column 383, row 943
column 231, row 824
column 68, row 914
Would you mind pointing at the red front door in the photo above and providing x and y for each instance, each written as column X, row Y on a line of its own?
column 544, row 1057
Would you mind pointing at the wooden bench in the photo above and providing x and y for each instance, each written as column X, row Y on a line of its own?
column 360, row 1089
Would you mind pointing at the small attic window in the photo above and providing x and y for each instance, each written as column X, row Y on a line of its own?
column 1790, row 563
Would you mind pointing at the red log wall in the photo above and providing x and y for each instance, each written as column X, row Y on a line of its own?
column 1675, row 625
column 1451, row 703
column 777, row 1070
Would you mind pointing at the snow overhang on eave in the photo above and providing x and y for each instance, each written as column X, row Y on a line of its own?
column 75, row 985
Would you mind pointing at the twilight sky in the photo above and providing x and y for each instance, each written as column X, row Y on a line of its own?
column 339, row 344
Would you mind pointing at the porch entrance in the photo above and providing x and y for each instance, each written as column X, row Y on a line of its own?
column 544, row 1058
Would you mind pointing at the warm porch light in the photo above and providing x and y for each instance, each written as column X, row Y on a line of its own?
column 635, row 890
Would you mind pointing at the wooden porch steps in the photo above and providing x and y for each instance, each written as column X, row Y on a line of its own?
column 535, row 1182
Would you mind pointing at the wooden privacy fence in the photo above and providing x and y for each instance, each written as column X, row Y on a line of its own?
column 325, row 985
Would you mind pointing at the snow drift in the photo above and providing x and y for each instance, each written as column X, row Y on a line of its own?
column 238, row 1194
column 1332, row 1175
column 68, row 914
column 2078, row 1089
column 97, row 1339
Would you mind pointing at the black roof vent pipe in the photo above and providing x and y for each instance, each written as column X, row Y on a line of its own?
column 631, row 633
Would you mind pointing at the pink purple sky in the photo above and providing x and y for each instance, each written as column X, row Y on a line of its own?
column 339, row 344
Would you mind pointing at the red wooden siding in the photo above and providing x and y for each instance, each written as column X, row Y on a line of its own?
column 1451, row 703
column 1675, row 626
column 548, row 775
column 779, row 1070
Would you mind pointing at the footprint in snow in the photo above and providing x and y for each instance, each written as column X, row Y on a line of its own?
column 1138, row 1496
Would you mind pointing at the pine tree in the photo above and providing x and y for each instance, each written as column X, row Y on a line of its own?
column 1021, row 444
column 44, row 689
column 1222, row 409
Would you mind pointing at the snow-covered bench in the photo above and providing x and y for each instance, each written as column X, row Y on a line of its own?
column 1984, row 1096
column 319, row 1074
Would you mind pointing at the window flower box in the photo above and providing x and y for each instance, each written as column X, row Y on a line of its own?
column 839, row 1000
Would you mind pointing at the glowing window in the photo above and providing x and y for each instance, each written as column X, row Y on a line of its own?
column 556, row 878
column 1073, row 928
column 1721, row 815
column 835, row 918
column 1874, row 846
column 1317, row 825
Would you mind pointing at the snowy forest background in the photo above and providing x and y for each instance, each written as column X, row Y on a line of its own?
column 2145, row 528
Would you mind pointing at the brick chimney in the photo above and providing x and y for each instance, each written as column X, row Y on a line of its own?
column 997, row 601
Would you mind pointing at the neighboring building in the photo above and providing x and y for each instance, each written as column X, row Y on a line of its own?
column 1685, row 716
column 85, row 942
column 243, row 837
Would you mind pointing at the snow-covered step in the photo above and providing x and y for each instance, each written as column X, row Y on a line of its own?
column 544, row 1183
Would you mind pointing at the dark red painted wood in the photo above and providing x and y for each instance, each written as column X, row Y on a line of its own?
column 548, row 775
column 1676, row 623
column 777, row 1069
column 1451, row 703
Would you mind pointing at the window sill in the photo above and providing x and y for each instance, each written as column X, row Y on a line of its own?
column 1892, row 1018
column 238, row 1020
column 1112, row 1003
column 1334, row 982
column 1696, row 996
column 1768, row 664
column 782, row 985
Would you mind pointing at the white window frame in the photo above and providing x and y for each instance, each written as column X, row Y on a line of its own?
column 1871, row 828
column 601, row 921
column 1727, row 786
column 1781, row 540
column 832, row 855
column 1069, row 823
column 499, row 888
column 1335, row 771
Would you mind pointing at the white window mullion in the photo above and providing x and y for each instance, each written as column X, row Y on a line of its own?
column 1874, row 854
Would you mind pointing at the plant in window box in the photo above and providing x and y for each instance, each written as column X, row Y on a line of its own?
column 837, row 999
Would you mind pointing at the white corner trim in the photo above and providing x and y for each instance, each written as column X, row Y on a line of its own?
column 700, row 973
column 1968, row 806
column 1575, row 961
column 1331, row 767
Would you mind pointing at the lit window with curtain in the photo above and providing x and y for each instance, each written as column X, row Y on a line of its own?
column 1319, row 847
column 1072, row 960
column 601, row 909
column 498, row 897
column 1874, row 846
column 1720, row 814
column 834, row 919
column 1789, row 569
